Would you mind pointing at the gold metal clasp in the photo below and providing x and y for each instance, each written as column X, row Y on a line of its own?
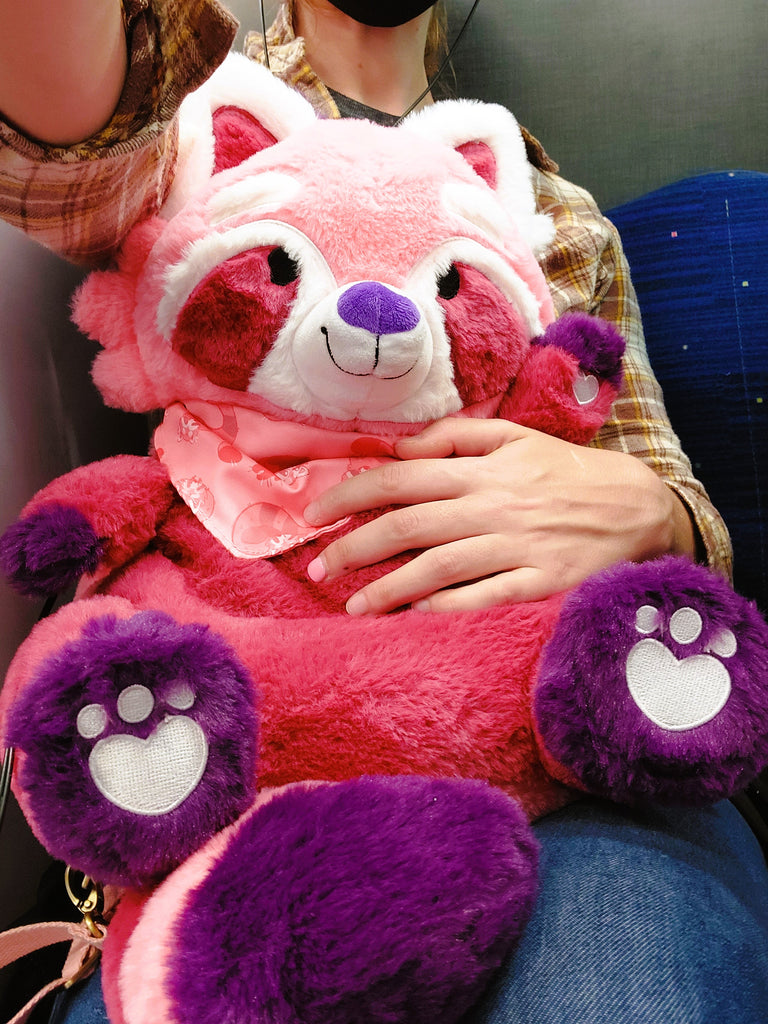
column 88, row 897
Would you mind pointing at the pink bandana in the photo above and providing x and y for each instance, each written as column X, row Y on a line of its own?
column 248, row 478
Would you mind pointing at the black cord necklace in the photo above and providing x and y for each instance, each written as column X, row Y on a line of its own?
column 430, row 85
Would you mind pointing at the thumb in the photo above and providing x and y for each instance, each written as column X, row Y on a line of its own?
column 462, row 436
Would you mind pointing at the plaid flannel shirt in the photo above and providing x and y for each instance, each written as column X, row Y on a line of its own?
column 81, row 200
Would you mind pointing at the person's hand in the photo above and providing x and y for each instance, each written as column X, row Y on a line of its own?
column 514, row 515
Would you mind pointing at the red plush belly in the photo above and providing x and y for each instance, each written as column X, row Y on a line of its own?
column 421, row 693
column 248, row 587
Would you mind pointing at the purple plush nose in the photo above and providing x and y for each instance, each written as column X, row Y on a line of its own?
column 376, row 308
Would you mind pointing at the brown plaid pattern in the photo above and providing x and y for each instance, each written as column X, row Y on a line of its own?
column 123, row 174
column 586, row 270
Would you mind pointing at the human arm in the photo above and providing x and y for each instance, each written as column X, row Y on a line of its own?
column 62, row 66
column 81, row 199
column 520, row 514
column 639, row 425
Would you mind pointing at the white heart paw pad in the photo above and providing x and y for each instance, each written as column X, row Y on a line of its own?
column 678, row 693
column 151, row 775
column 586, row 388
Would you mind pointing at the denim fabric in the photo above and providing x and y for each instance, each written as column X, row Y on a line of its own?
column 657, row 917
column 82, row 1005
column 652, row 917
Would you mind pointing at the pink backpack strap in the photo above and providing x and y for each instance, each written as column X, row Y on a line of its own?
column 83, row 955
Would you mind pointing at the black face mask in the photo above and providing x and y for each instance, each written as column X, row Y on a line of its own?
column 384, row 13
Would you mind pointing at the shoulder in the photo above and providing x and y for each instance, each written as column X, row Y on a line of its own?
column 572, row 208
column 585, row 257
column 585, row 262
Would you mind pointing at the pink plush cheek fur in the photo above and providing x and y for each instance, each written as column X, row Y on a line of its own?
column 488, row 337
column 138, row 369
column 231, row 319
column 103, row 308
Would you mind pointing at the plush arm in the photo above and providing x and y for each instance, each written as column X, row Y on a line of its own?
column 98, row 515
column 570, row 379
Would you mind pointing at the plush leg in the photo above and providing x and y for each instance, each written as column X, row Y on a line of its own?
column 137, row 741
column 377, row 900
column 655, row 685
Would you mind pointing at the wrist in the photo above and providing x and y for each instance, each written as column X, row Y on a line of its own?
column 686, row 539
column 665, row 525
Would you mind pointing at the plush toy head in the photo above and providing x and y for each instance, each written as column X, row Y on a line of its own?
column 292, row 275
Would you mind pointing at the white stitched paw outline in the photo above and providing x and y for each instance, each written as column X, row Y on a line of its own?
column 150, row 776
column 678, row 694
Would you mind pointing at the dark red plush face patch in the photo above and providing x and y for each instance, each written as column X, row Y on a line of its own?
column 487, row 333
column 231, row 319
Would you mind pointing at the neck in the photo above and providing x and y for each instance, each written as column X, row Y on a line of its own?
column 380, row 67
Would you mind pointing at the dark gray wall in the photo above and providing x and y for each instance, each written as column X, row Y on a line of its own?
column 626, row 96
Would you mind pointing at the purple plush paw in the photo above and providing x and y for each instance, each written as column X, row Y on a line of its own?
column 376, row 900
column 655, row 684
column 138, row 743
column 49, row 550
column 596, row 344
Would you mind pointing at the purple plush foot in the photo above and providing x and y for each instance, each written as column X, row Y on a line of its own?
column 655, row 685
column 49, row 550
column 378, row 900
column 138, row 742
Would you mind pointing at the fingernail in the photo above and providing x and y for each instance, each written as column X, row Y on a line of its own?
column 316, row 570
column 357, row 604
column 311, row 513
column 421, row 606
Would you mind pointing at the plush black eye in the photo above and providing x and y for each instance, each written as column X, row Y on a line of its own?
column 448, row 283
column 283, row 268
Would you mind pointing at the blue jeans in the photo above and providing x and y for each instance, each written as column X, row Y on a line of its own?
column 644, row 917
column 656, row 917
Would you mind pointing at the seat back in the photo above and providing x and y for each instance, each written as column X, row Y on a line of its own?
column 51, row 419
column 698, row 251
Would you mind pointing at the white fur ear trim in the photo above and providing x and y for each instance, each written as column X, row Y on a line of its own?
column 456, row 122
column 238, row 82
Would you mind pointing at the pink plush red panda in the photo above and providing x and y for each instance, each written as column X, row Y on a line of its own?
column 320, row 819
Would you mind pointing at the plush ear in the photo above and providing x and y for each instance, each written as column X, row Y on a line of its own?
column 489, row 138
column 481, row 159
column 236, row 136
column 239, row 111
